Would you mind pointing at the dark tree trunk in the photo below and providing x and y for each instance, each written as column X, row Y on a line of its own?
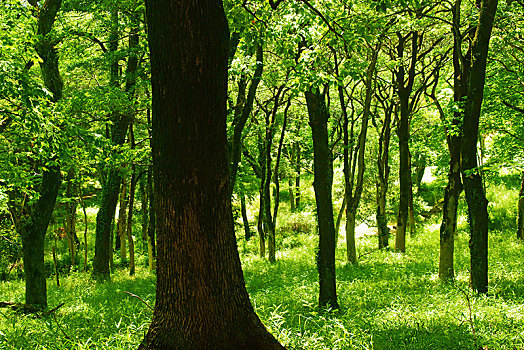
column 243, row 209
column 292, row 158
column 70, row 218
column 323, row 173
column 33, row 228
column 121, row 223
column 520, row 211
column 119, row 128
column 471, row 177
column 298, row 196
column 143, row 208
column 151, row 228
column 201, row 300
column 132, row 189
column 461, row 65
column 383, row 178
column 242, row 112
column 34, row 220
column 404, row 90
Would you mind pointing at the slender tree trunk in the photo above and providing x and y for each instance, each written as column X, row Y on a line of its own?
column 130, row 223
column 244, row 216
column 323, row 172
column 471, row 178
column 520, row 211
column 405, row 88
column 143, row 209
column 121, row 223
column 242, row 113
column 201, row 300
column 151, row 228
column 461, row 66
column 84, row 210
column 339, row 219
column 70, row 219
column 292, row 158
column 383, row 179
column 298, row 196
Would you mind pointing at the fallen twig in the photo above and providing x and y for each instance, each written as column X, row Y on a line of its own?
column 139, row 298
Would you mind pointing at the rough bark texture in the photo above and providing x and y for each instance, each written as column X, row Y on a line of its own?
column 383, row 179
column 404, row 90
column 34, row 220
column 461, row 64
column 323, row 173
column 471, row 177
column 201, row 300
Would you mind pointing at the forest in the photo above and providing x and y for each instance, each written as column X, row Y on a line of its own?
column 261, row 174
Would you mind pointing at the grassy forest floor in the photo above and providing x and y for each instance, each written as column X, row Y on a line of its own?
column 388, row 301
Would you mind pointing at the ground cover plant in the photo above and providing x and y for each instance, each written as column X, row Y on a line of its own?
column 389, row 300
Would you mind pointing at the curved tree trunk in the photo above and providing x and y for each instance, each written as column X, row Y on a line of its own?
column 201, row 299
column 35, row 219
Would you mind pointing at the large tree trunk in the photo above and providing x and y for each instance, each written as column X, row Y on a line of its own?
column 471, row 177
column 520, row 211
column 201, row 300
column 323, row 172
column 35, row 219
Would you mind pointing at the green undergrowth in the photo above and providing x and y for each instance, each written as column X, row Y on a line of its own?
column 388, row 301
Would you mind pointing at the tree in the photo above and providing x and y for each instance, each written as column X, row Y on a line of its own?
column 323, row 172
column 471, row 177
column 201, row 300
column 36, row 216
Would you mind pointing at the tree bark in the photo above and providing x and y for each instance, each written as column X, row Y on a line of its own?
column 404, row 90
column 201, row 300
column 461, row 65
column 471, row 177
column 323, row 173
column 245, row 221
column 383, row 178
column 35, row 218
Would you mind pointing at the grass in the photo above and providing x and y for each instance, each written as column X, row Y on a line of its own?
column 388, row 301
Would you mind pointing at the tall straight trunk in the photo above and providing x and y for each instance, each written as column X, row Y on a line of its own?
column 70, row 219
column 119, row 128
column 461, row 66
column 245, row 221
column 121, row 223
column 261, row 224
column 323, row 173
column 35, row 219
column 383, row 178
column 471, row 178
column 404, row 90
column 151, row 227
column 132, row 189
column 201, row 298
column 353, row 194
column 291, row 194
column 520, row 211
column 298, row 196
column 143, row 208
column 84, row 210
